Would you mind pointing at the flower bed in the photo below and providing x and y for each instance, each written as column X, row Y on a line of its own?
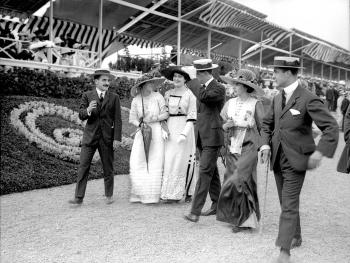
column 66, row 142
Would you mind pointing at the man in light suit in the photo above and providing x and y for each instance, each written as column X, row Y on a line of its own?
column 287, row 137
column 209, row 136
column 101, row 109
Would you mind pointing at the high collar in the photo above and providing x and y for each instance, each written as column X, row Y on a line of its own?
column 208, row 82
column 99, row 92
column 291, row 88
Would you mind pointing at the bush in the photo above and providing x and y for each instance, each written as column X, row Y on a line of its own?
column 25, row 167
column 45, row 83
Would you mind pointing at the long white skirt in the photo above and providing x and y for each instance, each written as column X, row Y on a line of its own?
column 179, row 163
column 146, row 184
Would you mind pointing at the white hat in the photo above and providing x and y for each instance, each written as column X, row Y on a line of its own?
column 204, row 64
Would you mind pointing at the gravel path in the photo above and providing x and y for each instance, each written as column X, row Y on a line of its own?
column 40, row 226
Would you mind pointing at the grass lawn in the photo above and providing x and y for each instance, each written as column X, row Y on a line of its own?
column 25, row 167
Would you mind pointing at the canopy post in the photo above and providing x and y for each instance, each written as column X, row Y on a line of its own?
column 312, row 68
column 50, row 60
column 261, row 50
column 321, row 73
column 178, row 62
column 240, row 53
column 290, row 45
column 302, row 59
column 338, row 74
column 100, row 33
column 209, row 43
column 330, row 73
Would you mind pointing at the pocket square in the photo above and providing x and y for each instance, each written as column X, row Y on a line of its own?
column 294, row 112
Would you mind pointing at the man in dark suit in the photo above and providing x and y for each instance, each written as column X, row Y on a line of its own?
column 287, row 136
column 209, row 136
column 101, row 109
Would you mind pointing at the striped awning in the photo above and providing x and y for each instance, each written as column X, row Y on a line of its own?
column 81, row 33
column 223, row 15
column 326, row 53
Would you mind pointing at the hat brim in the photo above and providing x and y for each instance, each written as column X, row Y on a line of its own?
column 213, row 66
column 232, row 81
column 103, row 74
column 169, row 73
column 136, row 88
column 279, row 66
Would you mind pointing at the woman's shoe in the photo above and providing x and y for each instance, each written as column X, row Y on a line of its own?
column 237, row 229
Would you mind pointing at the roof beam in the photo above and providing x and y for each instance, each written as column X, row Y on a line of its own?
column 141, row 16
column 180, row 19
column 173, row 26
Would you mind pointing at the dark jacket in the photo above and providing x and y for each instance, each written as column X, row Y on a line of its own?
column 210, row 101
column 105, row 120
column 344, row 161
column 294, row 133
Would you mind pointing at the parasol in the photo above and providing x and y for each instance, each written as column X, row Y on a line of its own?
column 146, row 132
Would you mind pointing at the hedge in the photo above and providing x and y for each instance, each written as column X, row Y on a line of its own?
column 48, row 84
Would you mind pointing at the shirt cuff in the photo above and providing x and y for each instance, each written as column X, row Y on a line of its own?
column 265, row 147
column 88, row 112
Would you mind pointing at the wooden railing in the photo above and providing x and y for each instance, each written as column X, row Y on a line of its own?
column 70, row 70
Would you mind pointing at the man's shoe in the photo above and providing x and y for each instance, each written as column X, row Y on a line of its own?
column 209, row 212
column 109, row 200
column 296, row 242
column 283, row 258
column 76, row 201
column 191, row 217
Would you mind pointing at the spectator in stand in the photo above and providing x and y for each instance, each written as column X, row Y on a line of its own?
column 81, row 56
column 70, row 41
column 23, row 51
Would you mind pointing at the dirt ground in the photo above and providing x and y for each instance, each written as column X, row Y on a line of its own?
column 40, row 226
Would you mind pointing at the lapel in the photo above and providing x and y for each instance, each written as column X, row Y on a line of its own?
column 105, row 99
column 296, row 94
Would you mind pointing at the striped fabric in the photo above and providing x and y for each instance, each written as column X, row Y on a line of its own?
column 220, row 14
column 214, row 56
column 326, row 53
column 81, row 33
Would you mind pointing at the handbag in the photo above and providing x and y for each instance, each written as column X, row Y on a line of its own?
column 344, row 161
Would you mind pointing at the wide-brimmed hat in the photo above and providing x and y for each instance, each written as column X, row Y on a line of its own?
column 67, row 51
column 100, row 72
column 147, row 78
column 170, row 71
column 286, row 62
column 204, row 64
column 245, row 77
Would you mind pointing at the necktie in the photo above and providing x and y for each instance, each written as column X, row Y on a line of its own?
column 283, row 99
column 101, row 97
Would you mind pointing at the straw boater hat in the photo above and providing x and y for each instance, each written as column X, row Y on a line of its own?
column 100, row 72
column 245, row 77
column 204, row 64
column 170, row 71
column 286, row 62
column 147, row 78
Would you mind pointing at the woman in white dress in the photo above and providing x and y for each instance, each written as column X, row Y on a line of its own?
column 180, row 147
column 147, row 107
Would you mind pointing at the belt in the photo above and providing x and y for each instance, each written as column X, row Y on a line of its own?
column 176, row 115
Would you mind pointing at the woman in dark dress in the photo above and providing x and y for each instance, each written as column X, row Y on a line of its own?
column 238, row 203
